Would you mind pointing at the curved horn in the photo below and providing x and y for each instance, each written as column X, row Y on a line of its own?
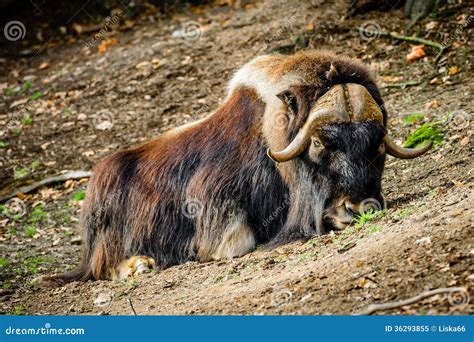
column 302, row 140
column 332, row 107
column 402, row 152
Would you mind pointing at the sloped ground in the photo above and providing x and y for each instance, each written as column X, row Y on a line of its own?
column 95, row 103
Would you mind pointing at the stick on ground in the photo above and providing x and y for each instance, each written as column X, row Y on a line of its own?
column 47, row 181
column 392, row 305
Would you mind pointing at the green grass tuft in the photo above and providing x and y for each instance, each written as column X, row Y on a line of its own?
column 36, row 96
column 426, row 132
column 79, row 196
column 414, row 118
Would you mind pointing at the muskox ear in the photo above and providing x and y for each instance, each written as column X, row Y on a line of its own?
column 289, row 98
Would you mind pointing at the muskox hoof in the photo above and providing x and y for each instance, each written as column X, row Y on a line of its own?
column 132, row 267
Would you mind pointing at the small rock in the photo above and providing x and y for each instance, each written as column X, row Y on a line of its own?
column 103, row 299
column 81, row 117
column 424, row 240
column 143, row 65
column 76, row 240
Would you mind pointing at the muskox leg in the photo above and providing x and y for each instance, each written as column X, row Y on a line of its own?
column 237, row 240
column 132, row 266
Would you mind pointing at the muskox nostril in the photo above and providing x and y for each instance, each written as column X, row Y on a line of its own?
column 350, row 208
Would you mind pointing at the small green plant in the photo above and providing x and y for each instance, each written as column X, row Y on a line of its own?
column 218, row 278
column 17, row 311
column 426, row 132
column 4, row 144
column 30, row 231
column 367, row 216
column 38, row 215
column 21, row 172
column 9, row 91
column 6, row 285
column 31, row 265
column 373, row 228
column 415, row 117
column 4, row 262
column 79, row 196
column 35, row 164
column 67, row 112
column 401, row 214
column 27, row 121
column 36, row 96
column 16, row 132
column 25, row 86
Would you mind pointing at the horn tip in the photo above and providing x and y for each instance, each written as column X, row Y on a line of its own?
column 271, row 156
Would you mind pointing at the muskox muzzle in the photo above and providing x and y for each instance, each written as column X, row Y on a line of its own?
column 342, row 103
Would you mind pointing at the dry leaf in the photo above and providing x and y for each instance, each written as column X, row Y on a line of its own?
column 431, row 25
column 309, row 27
column 432, row 104
column 465, row 141
column 43, row 66
column 392, row 78
column 88, row 153
column 104, row 45
column 454, row 70
column 417, row 52
column 19, row 102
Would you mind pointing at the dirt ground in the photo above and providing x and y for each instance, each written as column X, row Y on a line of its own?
column 71, row 105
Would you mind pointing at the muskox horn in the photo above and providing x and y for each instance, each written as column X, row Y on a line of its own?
column 332, row 107
column 402, row 152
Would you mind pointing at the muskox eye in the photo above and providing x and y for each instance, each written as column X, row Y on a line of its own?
column 290, row 100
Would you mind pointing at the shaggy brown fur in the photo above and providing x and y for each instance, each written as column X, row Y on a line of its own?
column 208, row 190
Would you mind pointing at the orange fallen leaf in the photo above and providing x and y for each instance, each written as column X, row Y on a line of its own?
column 309, row 26
column 104, row 45
column 417, row 52
column 454, row 70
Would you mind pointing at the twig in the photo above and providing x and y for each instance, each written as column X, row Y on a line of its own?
column 47, row 181
column 392, row 305
column 440, row 47
column 402, row 85
column 129, row 300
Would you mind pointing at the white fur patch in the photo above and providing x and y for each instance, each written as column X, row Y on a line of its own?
column 238, row 240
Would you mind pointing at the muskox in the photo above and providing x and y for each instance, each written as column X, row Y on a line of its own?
column 295, row 149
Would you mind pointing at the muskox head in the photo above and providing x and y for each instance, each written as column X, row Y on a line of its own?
column 324, row 114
